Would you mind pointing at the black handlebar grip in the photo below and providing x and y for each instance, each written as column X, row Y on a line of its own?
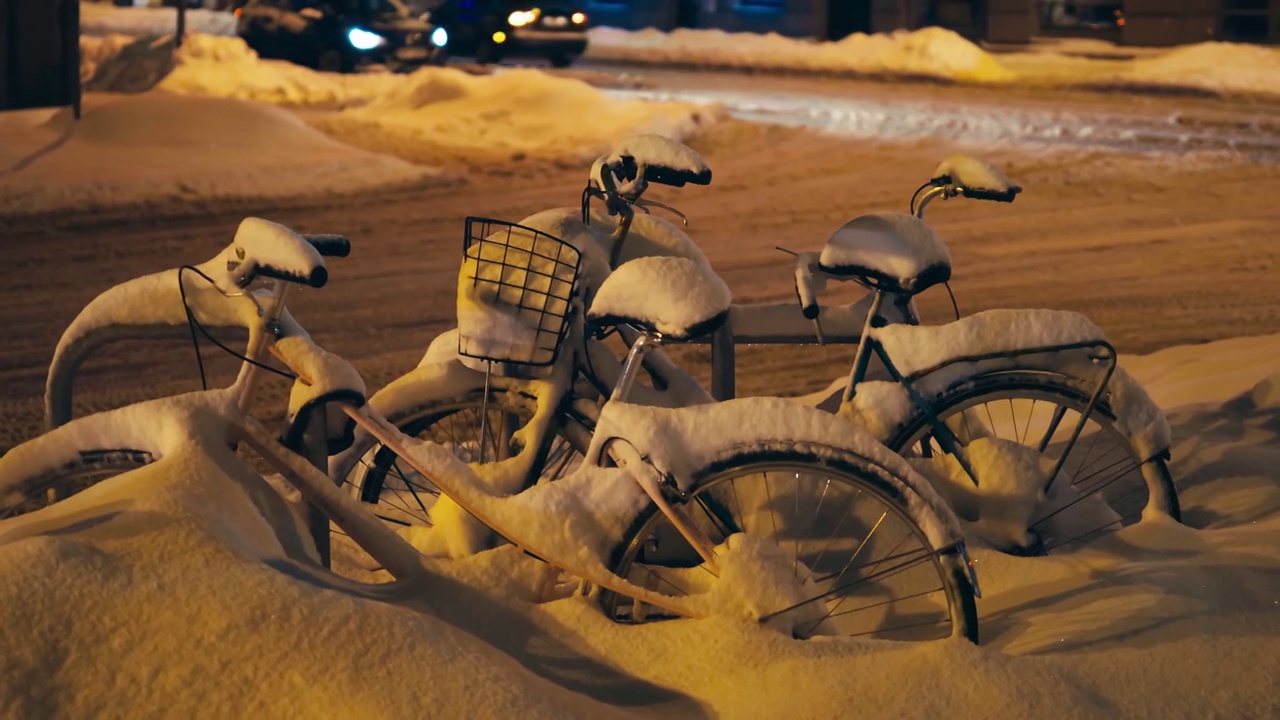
column 319, row 276
column 998, row 196
column 676, row 178
column 329, row 245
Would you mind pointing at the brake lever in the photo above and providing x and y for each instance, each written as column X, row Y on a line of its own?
column 641, row 203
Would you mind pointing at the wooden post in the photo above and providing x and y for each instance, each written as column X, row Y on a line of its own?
column 182, row 23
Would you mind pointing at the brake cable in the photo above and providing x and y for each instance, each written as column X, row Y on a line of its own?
column 193, row 324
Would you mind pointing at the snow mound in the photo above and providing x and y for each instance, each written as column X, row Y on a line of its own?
column 102, row 19
column 1216, row 66
column 217, row 67
column 432, row 114
column 930, row 52
column 192, row 595
column 226, row 67
column 153, row 147
column 514, row 113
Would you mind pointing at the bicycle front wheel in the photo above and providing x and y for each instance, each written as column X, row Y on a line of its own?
column 848, row 539
column 47, row 486
column 476, row 430
column 1110, row 484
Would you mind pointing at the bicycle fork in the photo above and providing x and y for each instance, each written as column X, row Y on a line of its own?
column 625, row 455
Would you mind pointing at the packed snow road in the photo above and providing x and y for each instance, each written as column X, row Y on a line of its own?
column 1181, row 123
column 1157, row 248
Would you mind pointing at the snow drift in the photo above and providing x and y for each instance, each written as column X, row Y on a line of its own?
column 137, row 150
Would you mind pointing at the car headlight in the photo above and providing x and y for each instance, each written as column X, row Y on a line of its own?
column 439, row 37
column 520, row 18
column 578, row 18
column 362, row 39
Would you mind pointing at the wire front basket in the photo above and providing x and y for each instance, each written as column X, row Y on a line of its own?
column 515, row 293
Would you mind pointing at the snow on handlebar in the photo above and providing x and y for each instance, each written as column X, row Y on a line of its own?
column 262, row 248
column 629, row 167
column 974, row 178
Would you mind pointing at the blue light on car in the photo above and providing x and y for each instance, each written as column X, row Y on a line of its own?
column 362, row 39
column 439, row 37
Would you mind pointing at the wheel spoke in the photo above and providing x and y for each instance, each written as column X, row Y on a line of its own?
column 846, row 553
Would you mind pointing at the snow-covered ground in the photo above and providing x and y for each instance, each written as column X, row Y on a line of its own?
column 218, row 123
column 153, row 148
column 183, row 589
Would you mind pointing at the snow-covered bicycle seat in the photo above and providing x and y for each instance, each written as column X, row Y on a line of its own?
column 676, row 297
column 889, row 251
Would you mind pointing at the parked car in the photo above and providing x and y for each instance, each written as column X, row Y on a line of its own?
column 341, row 35
column 493, row 29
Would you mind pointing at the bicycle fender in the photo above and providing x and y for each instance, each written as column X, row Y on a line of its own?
column 681, row 442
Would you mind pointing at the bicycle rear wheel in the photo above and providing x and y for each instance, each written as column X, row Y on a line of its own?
column 46, row 486
column 850, row 539
column 1110, row 484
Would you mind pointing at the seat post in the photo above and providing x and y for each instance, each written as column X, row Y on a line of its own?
column 635, row 360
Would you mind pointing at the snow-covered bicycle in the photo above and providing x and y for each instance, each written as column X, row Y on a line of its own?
column 1022, row 417
column 794, row 520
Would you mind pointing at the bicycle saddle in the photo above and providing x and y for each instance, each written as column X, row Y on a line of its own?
column 678, row 298
column 890, row 251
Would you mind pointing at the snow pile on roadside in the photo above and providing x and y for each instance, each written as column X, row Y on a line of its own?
column 1219, row 67
column 104, row 19
column 217, row 67
column 930, row 52
column 444, row 112
column 431, row 115
column 144, row 149
column 226, row 67
column 183, row 589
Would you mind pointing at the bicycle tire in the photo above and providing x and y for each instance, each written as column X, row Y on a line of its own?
column 46, row 486
column 1131, row 486
column 934, row 595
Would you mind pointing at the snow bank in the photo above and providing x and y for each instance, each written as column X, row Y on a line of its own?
column 514, row 113
column 217, row 67
column 1231, row 68
column 432, row 115
column 149, row 148
column 226, row 67
column 930, row 52
column 104, row 19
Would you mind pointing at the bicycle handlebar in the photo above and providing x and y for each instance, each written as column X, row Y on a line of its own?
column 316, row 279
column 974, row 178
column 329, row 244
column 262, row 248
column 996, row 195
